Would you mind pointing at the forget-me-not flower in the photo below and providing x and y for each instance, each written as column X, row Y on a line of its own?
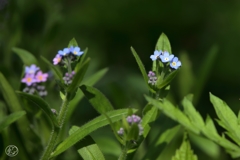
column 155, row 55
column 64, row 52
column 175, row 63
column 41, row 77
column 29, row 79
column 76, row 51
column 57, row 59
column 32, row 69
column 165, row 57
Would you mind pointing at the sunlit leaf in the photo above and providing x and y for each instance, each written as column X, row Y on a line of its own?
column 73, row 43
column 87, row 128
column 163, row 43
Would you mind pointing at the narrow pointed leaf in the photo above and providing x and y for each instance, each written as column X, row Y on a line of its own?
column 185, row 152
column 89, row 127
column 79, row 76
column 194, row 116
column 83, row 57
column 163, row 43
column 26, row 56
column 9, row 95
column 91, row 152
column 204, row 73
column 140, row 65
column 227, row 117
column 79, row 95
column 167, row 79
column 56, row 71
column 174, row 113
column 10, row 119
column 73, row 43
column 41, row 104
column 100, row 103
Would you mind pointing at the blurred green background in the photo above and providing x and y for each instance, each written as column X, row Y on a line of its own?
column 109, row 27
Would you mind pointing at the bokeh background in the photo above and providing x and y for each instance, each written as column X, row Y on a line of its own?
column 109, row 27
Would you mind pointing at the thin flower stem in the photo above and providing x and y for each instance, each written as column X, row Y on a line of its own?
column 123, row 155
column 56, row 131
column 69, row 65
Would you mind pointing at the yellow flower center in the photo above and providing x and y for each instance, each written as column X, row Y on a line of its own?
column 29, row 79
column 174, row 63
column 74, row 52
column 40, row 77
column 166, row 58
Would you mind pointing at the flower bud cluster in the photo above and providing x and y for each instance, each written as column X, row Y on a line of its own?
column 133, row 119
column 152, row 78
column 33, row 78
column 68, row 78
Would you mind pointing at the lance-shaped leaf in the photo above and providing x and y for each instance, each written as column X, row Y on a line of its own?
column 10, row 119
column 87, row 148
column 185, row 152
column 41, row 104
column 166, row 80
column 163, row 43
column 56, row 71
column 91, row 152
column 79, row 76
column 73, row 43
column 204, row 72
column 142, row 68
column 227, row 118
column 26, row 56
column 97, row 99
column 79, row 95
column 88, row 128
column 174, row 113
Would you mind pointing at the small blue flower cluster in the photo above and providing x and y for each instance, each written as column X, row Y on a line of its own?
column 165, row 58
column 72, row 52
column 133, row 119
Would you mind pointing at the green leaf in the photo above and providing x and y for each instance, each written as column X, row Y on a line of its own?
column 150, row 114
column 78, row 76
column 185, row 152
column 173, row 113
column 10, row 119
column 157, row 146
column 203, row 75
column 100, row 103
column 163, row 43
column 73, row 43
column 192, row 114
column 56, row 71
column 133, row 132
column 141, row 67
column 26, row 56
column 41, row 104
column 91, row 152
column 166, row 80
column 79, row 95
column 89, row 127
column 186, row 79
column 83, row 57
column 227, row 118
column 9, row 95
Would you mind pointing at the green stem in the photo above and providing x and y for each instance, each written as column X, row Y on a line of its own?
column 69, row 65
column 123, row 155
column 56, row 131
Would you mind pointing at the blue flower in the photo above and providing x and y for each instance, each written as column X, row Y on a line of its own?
column 32, row 69
column 64, row 52
column 155, row 55
column 76, row 51
column 175, row 63
column 165, row 57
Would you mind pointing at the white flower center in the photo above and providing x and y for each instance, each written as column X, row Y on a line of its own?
column 174, row 63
